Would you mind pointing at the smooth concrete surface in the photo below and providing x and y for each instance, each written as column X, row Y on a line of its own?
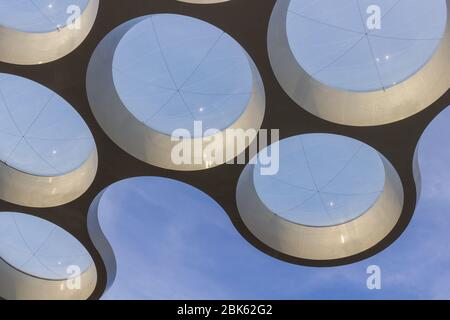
column 321, row 243
column 38, row 191
column 28, row 48
column 16, row 285
column 396, row 141
column 356, row 108
column 100, row 241
column 140, row 140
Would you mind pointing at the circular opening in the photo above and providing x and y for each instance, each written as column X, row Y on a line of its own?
column 40, row 133
column 39, row 16
column 40, row 248
column 323, row 180
column 145, row 233
column 331, row 199
column 364, row 45
column 171, row 70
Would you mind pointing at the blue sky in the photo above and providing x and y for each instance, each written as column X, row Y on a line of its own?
column 173, row 241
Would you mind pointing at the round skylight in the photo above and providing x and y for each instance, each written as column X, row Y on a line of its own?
column 323, row 180
column 39, row 16
column 160, row 81
column 364, row 45
column 40, row 133
column 171, row 70
column 41, row 31
column 39, row 248
column 362, row 63
column 331, row 198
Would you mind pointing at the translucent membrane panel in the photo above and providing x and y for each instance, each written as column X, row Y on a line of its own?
column 364, row 45
column 40, row 133
column 171, row 70
column 40, row 16
column 39, row 248
column 323, row 180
